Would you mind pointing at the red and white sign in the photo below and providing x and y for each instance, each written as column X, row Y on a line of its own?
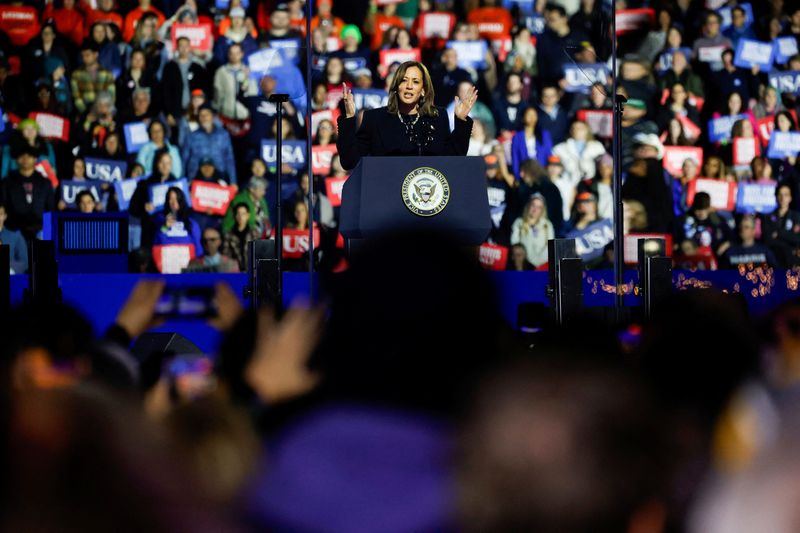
column 332, row 44
column 722, row 193
column 295, row 242
column 387, row 2
column 493, row 256
column 211, row 198
column 52, row 126
column 600, row 121
column 674, row 156
column 321, row 157
column 199, row 36
column 436, row 25
column 335, row 95
column 502, row 47
column 765, row 127
column 333, row 189
column 631, row 248
column 397, row 55
column 744, row 150
column 690, row 129
column 43, row 167
column 172, row 258
column 628, row 20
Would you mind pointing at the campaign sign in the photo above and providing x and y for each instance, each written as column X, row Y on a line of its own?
column 158, row 192
column 785, row 81
column 295, row 242
column 321, row 157
column 600, row 121
column 263, row 61
column 199, row 36
column 580, row 78
column 43, row 167
column 744, row 150
column 750, row 53
column 535, row 24
column 590, row 241
column 785, row 47
column 719, row 129
column 293, row 153
column 71, row 188
column 172, row 258
column 105, row 169
column 396, row 55
column 333, row 189
column 631, row 245
column 690, row 129
column 211, row 198
column 493, row 256
column 436, row 25
column 222, row 5
column 136, row 136
column 756, row 198
column 471, row 54
column 711, row 54
column 674, row 156
column 665, row 59
column 727, row 15
column 290, row 49
column 370, row 98
column 722, row 193
column 765, row 127
column 125, row 190
column 628, row 20
column 783, row 144
column 526, row 7
column 52, row 126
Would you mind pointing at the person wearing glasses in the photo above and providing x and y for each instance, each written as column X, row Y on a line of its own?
column 212, row 260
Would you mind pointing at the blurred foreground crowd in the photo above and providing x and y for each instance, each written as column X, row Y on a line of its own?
column 377, row 413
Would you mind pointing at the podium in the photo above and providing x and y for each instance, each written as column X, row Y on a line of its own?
column 443, row 194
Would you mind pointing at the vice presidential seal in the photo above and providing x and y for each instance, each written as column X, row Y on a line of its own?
column 425, row 191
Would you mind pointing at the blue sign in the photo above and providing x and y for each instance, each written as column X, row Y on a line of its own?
column 136, row 136
column 665, row 59
column 222, row 5
column 370, row 98
column 274, row 63
column 785, row 82
column 719, row 129
column 158, row 192
column 535, row 24
column 2, row 120
column 471, row 54
column 750, row 53
column 293, row 152
column 71, row 188
column 526, row 7
column 125, row 190
column 783, row 144
column 592, row 240
column 580, row 78
column 756, row 198
column 105, row 169
column 785, row 48
column 289, row 47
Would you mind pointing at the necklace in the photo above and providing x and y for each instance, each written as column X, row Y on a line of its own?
column 411, row 122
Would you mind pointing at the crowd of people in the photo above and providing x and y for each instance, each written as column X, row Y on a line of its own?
column 174, row 94
column 373, row 413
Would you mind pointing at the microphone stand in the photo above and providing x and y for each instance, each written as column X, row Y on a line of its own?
column 278, row 100
column 309, row 150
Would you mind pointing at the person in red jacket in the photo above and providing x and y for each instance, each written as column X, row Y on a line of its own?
column 494, row 22
column 105, row 12
column 69, row 19
column 145, row 6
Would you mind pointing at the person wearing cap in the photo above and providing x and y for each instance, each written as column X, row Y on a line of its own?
column 27, row 194
column 647, row 182
column 533, row 230
column 90, row 79
column 634, row 121
column 280, row 24
column 353, row 55
column 237, row 32
column 584, row 214
column 324, row 19
column 26, row 135
column 182, row 76
column 409, row 125
column 254, row 198
column 212, row 140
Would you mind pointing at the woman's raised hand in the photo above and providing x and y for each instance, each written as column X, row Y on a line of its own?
column 349, row 102
column 463, row 107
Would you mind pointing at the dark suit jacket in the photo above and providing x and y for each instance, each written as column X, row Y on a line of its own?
column 23, row 216
column 383, row 134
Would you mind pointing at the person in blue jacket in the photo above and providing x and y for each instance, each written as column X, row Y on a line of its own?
column 528, row 143
column 174, row 224
column 209, row 140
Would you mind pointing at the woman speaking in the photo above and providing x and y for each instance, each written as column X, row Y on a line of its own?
column 409, row 125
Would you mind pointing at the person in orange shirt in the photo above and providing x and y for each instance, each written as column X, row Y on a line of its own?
column 68, row 19
column 325, row 19
column 133, row 17
column 105, row 12
column 378, row 22
column 494, row 22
